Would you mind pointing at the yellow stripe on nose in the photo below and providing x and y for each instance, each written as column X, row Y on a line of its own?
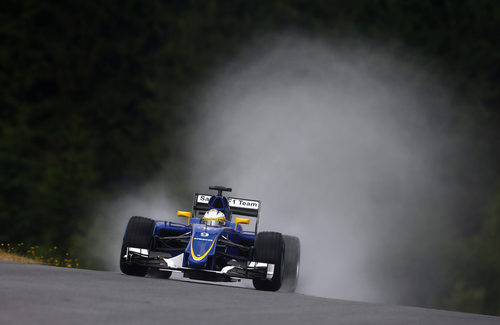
column 199, row 258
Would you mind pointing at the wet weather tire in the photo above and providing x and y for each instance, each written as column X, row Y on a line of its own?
column 270, row 248
column 138, row 234
column 291, row 263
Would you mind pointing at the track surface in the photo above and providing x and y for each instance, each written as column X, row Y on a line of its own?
column 37, row 294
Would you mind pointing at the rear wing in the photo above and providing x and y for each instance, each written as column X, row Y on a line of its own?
column 240, row 207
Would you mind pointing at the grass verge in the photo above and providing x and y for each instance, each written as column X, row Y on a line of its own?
column 35, row 254
column 5, row 256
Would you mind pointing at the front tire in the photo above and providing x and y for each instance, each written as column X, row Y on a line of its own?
column 138, row 234
column 270, row 248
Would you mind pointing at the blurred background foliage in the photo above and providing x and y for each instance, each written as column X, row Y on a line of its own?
column 97, row 96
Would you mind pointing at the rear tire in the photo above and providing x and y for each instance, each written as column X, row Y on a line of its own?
column 270, row 248
column 138, row 234
column 291, row 264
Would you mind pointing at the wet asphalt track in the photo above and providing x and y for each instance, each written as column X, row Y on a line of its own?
column 36, row 294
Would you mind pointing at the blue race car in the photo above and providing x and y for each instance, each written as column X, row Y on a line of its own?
column 212, row 246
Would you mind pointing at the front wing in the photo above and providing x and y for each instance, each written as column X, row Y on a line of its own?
column 232, row 272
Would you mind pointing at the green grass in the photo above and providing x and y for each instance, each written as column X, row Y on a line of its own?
column 35, row 254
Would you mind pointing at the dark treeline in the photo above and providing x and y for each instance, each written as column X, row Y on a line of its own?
column 97, row 96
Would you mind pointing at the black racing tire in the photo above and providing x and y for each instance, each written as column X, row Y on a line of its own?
column 138, row 234
column 270, row 248
column 291, row 263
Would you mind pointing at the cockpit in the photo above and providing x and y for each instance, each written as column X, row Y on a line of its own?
column 214, row 218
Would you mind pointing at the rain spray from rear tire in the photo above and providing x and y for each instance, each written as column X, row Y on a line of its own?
column 291, row 264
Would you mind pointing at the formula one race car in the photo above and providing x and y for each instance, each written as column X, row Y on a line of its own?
column 212, row 246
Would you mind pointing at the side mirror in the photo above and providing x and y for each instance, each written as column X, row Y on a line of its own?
column 240, row 220
column 185, row 214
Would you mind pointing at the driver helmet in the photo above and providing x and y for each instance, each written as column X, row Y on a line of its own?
column 213, row 217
